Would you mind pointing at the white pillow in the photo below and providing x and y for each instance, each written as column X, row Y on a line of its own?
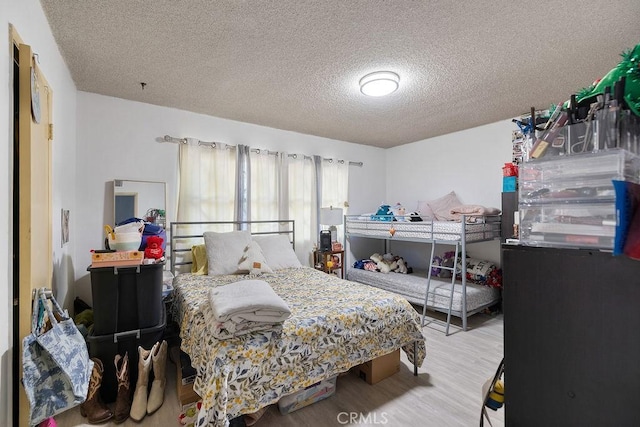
column 278, row 251
column 224, row 250
column 442, row 207
column 253, row 260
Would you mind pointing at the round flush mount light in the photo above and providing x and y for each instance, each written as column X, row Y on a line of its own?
column 380, row 83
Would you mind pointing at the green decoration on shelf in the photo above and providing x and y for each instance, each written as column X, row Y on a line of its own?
column 582, row 93
column 629, row 67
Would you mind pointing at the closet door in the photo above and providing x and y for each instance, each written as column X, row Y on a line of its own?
column 33, row 265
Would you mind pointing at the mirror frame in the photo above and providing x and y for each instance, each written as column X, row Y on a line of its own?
column 116, row 191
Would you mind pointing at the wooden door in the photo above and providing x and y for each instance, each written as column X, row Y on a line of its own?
column 32, row 158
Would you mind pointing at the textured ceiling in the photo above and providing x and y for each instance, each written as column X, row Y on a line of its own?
column 295, row 64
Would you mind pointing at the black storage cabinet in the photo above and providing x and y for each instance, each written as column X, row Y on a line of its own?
column 106, row 347
column 571, row 345
column 126, row 298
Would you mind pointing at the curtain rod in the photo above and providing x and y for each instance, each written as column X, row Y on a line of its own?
column 174, row 140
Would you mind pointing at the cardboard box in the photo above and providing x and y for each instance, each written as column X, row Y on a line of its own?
column 185, row 392
column 311, row 394
column 116, row 259
column 379, row 368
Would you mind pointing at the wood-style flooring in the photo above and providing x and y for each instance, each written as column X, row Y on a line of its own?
column 446, row 392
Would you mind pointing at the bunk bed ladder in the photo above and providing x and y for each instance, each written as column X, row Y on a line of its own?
column 428, row 291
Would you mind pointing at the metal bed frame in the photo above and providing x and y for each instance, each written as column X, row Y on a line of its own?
column 490, row 230
column 287, row 226
column 175, row 235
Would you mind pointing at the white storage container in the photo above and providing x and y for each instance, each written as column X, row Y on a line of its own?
column 307, row 396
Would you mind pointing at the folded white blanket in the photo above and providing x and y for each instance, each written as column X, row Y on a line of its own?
column 229, row 329
column 248, row 301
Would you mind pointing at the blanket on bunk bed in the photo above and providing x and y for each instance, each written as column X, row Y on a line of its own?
column 472, row 211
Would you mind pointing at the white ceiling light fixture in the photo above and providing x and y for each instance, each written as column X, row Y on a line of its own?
column 380, row 83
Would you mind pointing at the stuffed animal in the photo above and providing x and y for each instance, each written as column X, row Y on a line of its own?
column 383, row 214
column 154, row 247
column 448, row 260
column 414, row 216
column 402, row 266
column 388, row 257
column 382, row 265
column 435, row 269
column 399, row 211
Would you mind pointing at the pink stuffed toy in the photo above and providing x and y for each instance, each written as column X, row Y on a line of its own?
column 154, row 247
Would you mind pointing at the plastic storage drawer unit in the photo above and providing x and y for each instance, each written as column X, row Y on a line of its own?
column 569, row 225
column 126, row 298
column 570, row 201
column 105, row 348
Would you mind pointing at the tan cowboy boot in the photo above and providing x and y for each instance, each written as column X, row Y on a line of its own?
column 93, row 408
column 156, row 395
column 123, row 399
column 139, row 405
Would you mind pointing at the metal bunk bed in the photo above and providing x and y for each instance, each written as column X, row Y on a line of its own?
column 458, row 234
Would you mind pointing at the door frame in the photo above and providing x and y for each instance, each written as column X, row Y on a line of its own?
column 32, row 217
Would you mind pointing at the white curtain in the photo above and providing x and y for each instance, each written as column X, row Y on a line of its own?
column 207, row 182
column 281, row 186
column 265, row 194
column 302, row 204
column 243, row 186
column 335, row 187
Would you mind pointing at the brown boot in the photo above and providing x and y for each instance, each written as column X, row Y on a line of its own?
column 123, row 399
column 93, row 408
column 139, row 404
column 156, row 395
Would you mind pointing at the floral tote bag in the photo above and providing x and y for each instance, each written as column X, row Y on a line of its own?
column 55, row 362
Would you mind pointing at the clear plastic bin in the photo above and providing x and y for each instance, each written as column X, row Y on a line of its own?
column 569, row 225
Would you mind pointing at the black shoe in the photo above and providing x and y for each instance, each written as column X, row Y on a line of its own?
column 238, row 422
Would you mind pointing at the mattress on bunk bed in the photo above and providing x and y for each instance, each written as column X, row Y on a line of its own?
column 429, row 230
column 413, row 287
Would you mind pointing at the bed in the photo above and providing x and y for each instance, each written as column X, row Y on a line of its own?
column 334, row 325
column 460, row 299
column 412, row 287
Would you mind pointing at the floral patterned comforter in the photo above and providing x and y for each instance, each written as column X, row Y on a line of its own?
column 335, row 324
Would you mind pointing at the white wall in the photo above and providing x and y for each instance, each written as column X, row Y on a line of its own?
column 30, row 22
column 118, row 139
column 468, row 162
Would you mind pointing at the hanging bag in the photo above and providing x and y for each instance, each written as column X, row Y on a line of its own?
column 55, row 363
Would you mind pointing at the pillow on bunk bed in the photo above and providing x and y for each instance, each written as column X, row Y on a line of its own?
column 479, row 271
column 278, row 251
column 442, row 206
column 424, row 209
column 253, row 260
column 225, row 250
column 199, row 264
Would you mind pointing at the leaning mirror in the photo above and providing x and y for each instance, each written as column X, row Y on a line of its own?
column 139, row 199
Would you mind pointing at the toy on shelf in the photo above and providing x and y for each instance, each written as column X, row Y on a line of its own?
column 154, row 247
